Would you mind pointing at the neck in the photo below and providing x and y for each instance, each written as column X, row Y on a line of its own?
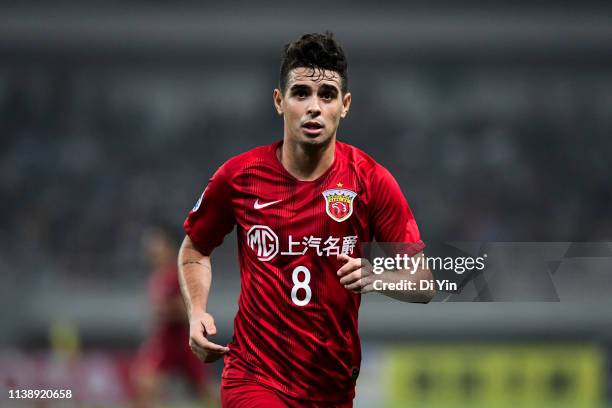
column 306, row 162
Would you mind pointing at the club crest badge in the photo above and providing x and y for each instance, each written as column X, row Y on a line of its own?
column 339, row 203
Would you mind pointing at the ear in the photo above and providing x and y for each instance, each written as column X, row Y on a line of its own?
column 346, row 104
column 277, row 96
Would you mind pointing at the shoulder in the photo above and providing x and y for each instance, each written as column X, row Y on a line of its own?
column 240, row 163
column 366, row 167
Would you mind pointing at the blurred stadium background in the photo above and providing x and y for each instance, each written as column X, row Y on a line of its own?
column 495, row 117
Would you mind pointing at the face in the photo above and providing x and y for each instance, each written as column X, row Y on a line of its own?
column 312, row 105
column 157, row 248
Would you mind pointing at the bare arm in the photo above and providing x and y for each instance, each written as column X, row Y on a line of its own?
column 195, row 277
column 357, row 276
column 417, row 295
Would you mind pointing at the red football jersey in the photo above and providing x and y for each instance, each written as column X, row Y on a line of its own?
column 296, row 327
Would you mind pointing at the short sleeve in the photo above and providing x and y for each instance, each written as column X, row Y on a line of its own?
column 391, row 217
column 212, row 218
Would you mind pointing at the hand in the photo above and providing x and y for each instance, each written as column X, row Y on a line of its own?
column 201, row 326
column 356, row 274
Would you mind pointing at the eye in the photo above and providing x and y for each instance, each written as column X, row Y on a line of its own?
column 300, row 93
column 327, row 96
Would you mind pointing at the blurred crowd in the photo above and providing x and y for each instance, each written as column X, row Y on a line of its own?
column 91, row 155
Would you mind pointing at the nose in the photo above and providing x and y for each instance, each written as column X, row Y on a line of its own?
column 313, row 108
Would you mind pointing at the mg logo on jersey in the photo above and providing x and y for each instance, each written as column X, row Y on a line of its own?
column 263, row 241
column 339, row 203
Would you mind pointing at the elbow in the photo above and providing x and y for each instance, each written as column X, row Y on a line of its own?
column 427, row 296
column 428, row 291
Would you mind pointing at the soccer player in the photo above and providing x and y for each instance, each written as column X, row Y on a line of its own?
column 302, row 207
column 166, row 349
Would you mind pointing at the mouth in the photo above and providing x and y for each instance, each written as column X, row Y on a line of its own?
column 313, row 127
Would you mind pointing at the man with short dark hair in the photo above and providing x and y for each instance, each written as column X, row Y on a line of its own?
column 302, row 207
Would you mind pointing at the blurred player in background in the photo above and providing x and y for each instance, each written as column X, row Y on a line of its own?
column 165, row 350
column 302, row 206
